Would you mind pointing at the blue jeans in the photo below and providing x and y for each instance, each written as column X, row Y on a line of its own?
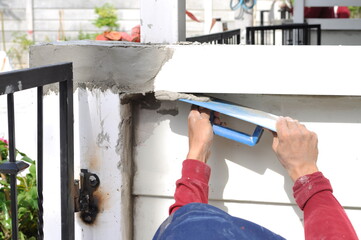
column 201, row 221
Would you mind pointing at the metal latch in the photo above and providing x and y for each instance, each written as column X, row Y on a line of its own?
column 84, row 201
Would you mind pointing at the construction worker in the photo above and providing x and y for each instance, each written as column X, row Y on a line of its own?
column 296, row 148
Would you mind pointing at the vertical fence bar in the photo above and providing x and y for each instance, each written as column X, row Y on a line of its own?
column 40, row 164
column 306, row 38
column 318, row 35
column 66, row 159
column 13, row 187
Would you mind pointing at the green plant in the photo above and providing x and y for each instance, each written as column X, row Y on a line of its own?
column 22, row 44
column 87, row 36
column 107, row 17
column 355, row 12
column 27, row 199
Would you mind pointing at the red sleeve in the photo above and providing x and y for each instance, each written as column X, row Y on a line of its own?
column 324, row 217
column 193, row 185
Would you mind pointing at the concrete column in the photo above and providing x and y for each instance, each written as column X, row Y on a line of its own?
column 162, row 21
column 30, row 19
column 208, row 15
column 299, row 11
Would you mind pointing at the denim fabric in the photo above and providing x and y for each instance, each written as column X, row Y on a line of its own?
column 204, row 222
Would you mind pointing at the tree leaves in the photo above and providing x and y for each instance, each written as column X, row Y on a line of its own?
column 27, row 200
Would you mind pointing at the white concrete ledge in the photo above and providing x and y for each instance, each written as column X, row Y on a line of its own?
column 336, row 23
column 293, row 70
column 323, row 3
column 133, row 68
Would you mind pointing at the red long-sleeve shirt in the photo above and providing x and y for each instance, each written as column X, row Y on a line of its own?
column 324, row 217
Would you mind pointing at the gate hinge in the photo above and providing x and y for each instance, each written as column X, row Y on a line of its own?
column 84, row 201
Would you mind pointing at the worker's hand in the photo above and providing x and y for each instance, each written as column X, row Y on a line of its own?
column 200, row 133
column 295, row 147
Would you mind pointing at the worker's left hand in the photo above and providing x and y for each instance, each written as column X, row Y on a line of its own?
column 200, row 133
column 295, row 147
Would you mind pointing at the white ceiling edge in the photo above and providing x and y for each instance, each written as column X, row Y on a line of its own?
column 239, row 69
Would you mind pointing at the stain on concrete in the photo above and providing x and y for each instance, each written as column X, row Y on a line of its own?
column 103, row 139
column 173, row 112
column 143, row 100
column 173, row 96
column 124, row 149
column 150, row 26
column 94, row 160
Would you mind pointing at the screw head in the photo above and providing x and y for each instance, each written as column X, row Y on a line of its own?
column 93, row 181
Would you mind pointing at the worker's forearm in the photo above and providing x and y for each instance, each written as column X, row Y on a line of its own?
column 324, row 217
column 193, row 185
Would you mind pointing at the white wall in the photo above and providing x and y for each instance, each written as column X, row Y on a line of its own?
column 247, row 182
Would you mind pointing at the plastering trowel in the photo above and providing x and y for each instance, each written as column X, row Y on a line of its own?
column 259, row 118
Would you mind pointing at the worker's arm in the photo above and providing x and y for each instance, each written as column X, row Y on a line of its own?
column 296, row 149
column 193, row 185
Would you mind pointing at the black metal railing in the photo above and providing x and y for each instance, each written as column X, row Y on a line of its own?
column 284, row 14
column 19, row 80
column 227, row 37
column 287, row 34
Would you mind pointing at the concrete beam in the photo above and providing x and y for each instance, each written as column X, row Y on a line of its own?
column 139, row 68
column 291, row 70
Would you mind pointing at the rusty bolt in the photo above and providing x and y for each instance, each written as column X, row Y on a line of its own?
column 93, row 181
column 88, row 218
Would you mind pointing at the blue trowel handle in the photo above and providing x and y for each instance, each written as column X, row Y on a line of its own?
column 241, row 137
column 236, row 135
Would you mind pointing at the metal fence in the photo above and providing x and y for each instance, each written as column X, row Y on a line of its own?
column 227, row 37
column 287, row 34
column 15, row 81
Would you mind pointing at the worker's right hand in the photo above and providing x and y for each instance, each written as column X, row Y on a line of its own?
column 295, row 147
column 200, row 133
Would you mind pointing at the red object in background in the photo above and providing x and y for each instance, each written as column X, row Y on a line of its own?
column 113, row 35
column 120, row 36
column 326, row 12
column 343, row 12
column 191, row 15
column 319, row 12
column 135, row 34
column 101, row 37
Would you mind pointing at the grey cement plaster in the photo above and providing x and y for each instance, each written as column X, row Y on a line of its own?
column 173, row 96
column 119, row 66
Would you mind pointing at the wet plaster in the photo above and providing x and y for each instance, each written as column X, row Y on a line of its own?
column 121, row 67
column 173, row 96
column 124, row 149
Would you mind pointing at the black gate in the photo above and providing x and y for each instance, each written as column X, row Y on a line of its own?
column 19, row 80
column 227, row 37
column 291, row 34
